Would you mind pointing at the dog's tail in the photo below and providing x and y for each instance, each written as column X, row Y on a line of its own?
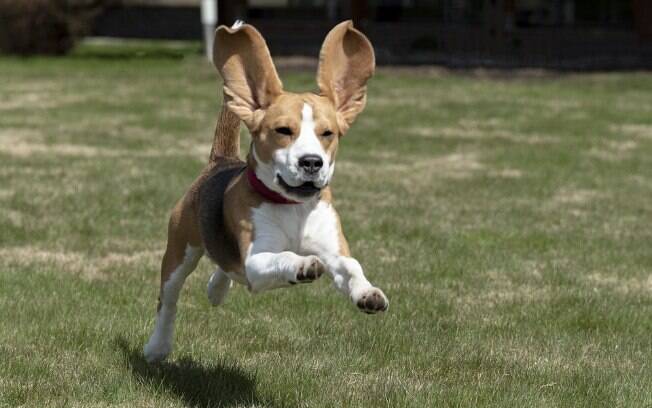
column 226, row 142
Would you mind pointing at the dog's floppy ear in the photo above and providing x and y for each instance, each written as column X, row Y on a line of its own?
column 346, row 62
column 250, row 80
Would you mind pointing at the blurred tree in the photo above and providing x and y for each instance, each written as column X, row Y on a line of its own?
column 30, row 27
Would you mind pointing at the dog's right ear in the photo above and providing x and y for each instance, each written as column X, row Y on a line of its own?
column 251, row 83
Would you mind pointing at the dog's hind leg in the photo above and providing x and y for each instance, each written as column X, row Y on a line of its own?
column 159, row 345
column 180, row 259
column 218, row 287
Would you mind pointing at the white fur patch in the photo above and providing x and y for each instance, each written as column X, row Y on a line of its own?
column 286, row 235
column 307, row 142
column 308, row 228
column 159, row 345
column 218, row 287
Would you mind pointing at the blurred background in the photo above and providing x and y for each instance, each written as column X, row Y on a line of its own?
column 572, row 34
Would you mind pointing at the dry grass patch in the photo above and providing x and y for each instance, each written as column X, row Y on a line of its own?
column 574, row 196
column 614, row 150
column 500, row 289
column 636, row 130
column 609, row 155
column 468, row 129
column 621, row 285
column 507, row 173
column 387, row 378
column 14, row 217
column 78, row 263
column 26, row 149
column 455, row 165
column 426, row 100
column 11, row 135
column 39, row 97
column 21, row 149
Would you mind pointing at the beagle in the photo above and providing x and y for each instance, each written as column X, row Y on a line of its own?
column 269, row 222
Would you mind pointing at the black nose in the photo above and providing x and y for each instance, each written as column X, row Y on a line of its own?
column 311, row 163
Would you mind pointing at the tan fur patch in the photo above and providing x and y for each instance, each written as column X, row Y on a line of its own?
column 286, row 112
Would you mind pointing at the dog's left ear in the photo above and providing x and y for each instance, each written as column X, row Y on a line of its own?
column 346, row 62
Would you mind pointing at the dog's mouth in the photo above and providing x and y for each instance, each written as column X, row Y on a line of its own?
column 307, row 189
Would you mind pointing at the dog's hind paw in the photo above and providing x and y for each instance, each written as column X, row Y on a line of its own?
column 156, row 352
column 218, row 287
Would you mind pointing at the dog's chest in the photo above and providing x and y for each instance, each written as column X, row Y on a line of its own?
column 300, row 228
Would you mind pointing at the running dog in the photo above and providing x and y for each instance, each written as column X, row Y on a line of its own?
column 269, row 222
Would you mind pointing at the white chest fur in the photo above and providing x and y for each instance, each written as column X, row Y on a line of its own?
column 309, row 228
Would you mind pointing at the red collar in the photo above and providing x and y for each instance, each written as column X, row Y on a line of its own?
column 264, row 191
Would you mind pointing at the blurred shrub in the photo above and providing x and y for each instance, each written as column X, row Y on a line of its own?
column 30, row 27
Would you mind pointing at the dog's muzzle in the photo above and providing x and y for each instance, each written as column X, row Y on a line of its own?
column 305, row 190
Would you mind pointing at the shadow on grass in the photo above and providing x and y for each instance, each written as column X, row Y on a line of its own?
column 197, row 385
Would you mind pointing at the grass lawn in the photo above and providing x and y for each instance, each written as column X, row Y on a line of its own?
column 509, row 221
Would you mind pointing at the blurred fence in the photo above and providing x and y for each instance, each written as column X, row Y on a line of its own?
column 572, row 34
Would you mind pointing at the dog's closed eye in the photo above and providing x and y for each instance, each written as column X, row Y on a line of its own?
column 284, row 130
column 327, row 133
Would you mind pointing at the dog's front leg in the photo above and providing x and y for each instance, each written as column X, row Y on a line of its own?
column 349, row 279
column 268, row 270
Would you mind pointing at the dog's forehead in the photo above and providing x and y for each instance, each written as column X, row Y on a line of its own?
column 290, row 105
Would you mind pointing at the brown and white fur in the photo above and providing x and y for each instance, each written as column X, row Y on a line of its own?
column 254, row 241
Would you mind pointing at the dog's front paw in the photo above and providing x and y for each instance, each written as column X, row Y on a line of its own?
column 372, row 301
column 310, row 269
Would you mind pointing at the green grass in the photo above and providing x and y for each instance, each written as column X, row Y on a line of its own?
column 509, row 221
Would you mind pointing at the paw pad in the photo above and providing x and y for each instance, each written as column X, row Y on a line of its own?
column 373, row 301
column 310, row 271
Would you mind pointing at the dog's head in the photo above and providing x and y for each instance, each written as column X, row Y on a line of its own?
column 294, row 136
